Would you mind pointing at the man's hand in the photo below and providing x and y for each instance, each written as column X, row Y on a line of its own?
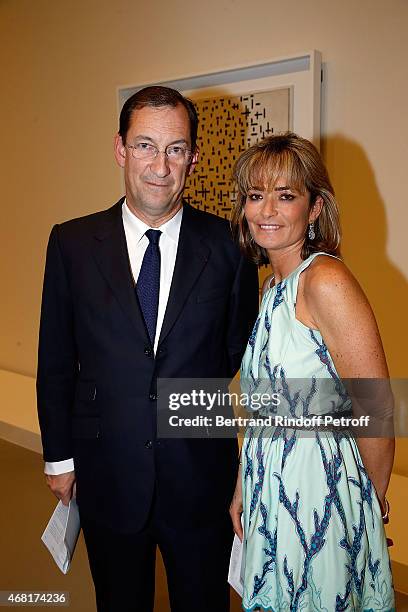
column 63, row 486
column 236, row 508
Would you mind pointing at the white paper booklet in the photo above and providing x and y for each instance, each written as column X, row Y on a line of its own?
column 61, row 534
column 235, row 572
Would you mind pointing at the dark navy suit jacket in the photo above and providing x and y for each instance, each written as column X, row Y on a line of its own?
column 97, row 371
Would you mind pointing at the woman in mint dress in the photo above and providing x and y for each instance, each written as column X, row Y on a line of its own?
column 313, row 500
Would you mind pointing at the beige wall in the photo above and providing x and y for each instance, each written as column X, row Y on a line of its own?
column 61, row 63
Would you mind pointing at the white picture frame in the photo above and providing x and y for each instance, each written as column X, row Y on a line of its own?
column 302, row 73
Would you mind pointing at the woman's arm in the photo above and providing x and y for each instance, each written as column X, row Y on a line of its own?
column 333, row 301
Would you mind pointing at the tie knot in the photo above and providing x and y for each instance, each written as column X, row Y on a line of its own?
column 153, row 236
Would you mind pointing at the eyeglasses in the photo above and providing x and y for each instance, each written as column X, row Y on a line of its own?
column 175, row 153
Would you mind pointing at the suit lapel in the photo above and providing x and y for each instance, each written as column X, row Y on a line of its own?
column 192, row 257
column 110, row 251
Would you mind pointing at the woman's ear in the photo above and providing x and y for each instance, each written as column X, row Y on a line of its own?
column 316, row 209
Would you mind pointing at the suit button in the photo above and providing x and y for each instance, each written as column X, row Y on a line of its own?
column 152, row 397
column 147, row 351
column 148, row 444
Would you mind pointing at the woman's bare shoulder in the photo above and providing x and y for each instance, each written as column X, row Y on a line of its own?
column 329, row 276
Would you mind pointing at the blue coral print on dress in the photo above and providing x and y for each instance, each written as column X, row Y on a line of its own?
column 259, row 582
column 325, row 358
column 261, row 473
column 278, row 299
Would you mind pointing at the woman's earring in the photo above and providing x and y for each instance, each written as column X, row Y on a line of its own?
column 311, row 233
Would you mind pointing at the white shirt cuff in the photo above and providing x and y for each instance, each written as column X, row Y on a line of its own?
column 54, row 468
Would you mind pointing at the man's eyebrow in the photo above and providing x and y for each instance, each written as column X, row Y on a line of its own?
column 179, row 141
column 143, row 137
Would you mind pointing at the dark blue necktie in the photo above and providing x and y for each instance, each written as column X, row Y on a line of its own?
column 148, row 283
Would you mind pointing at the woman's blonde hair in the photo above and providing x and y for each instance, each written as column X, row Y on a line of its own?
column 298, row 161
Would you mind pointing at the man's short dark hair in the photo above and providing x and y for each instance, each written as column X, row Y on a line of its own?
column 157, row 96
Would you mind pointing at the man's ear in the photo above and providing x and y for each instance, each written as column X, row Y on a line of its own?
column 194, row 161
column 316, row 209
column 120, row 150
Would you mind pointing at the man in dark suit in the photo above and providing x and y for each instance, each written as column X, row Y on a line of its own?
column 150, row 288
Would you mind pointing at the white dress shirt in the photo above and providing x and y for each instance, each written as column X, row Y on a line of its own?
column 137, row 243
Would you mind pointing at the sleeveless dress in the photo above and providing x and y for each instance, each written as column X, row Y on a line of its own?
column 314, row 538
